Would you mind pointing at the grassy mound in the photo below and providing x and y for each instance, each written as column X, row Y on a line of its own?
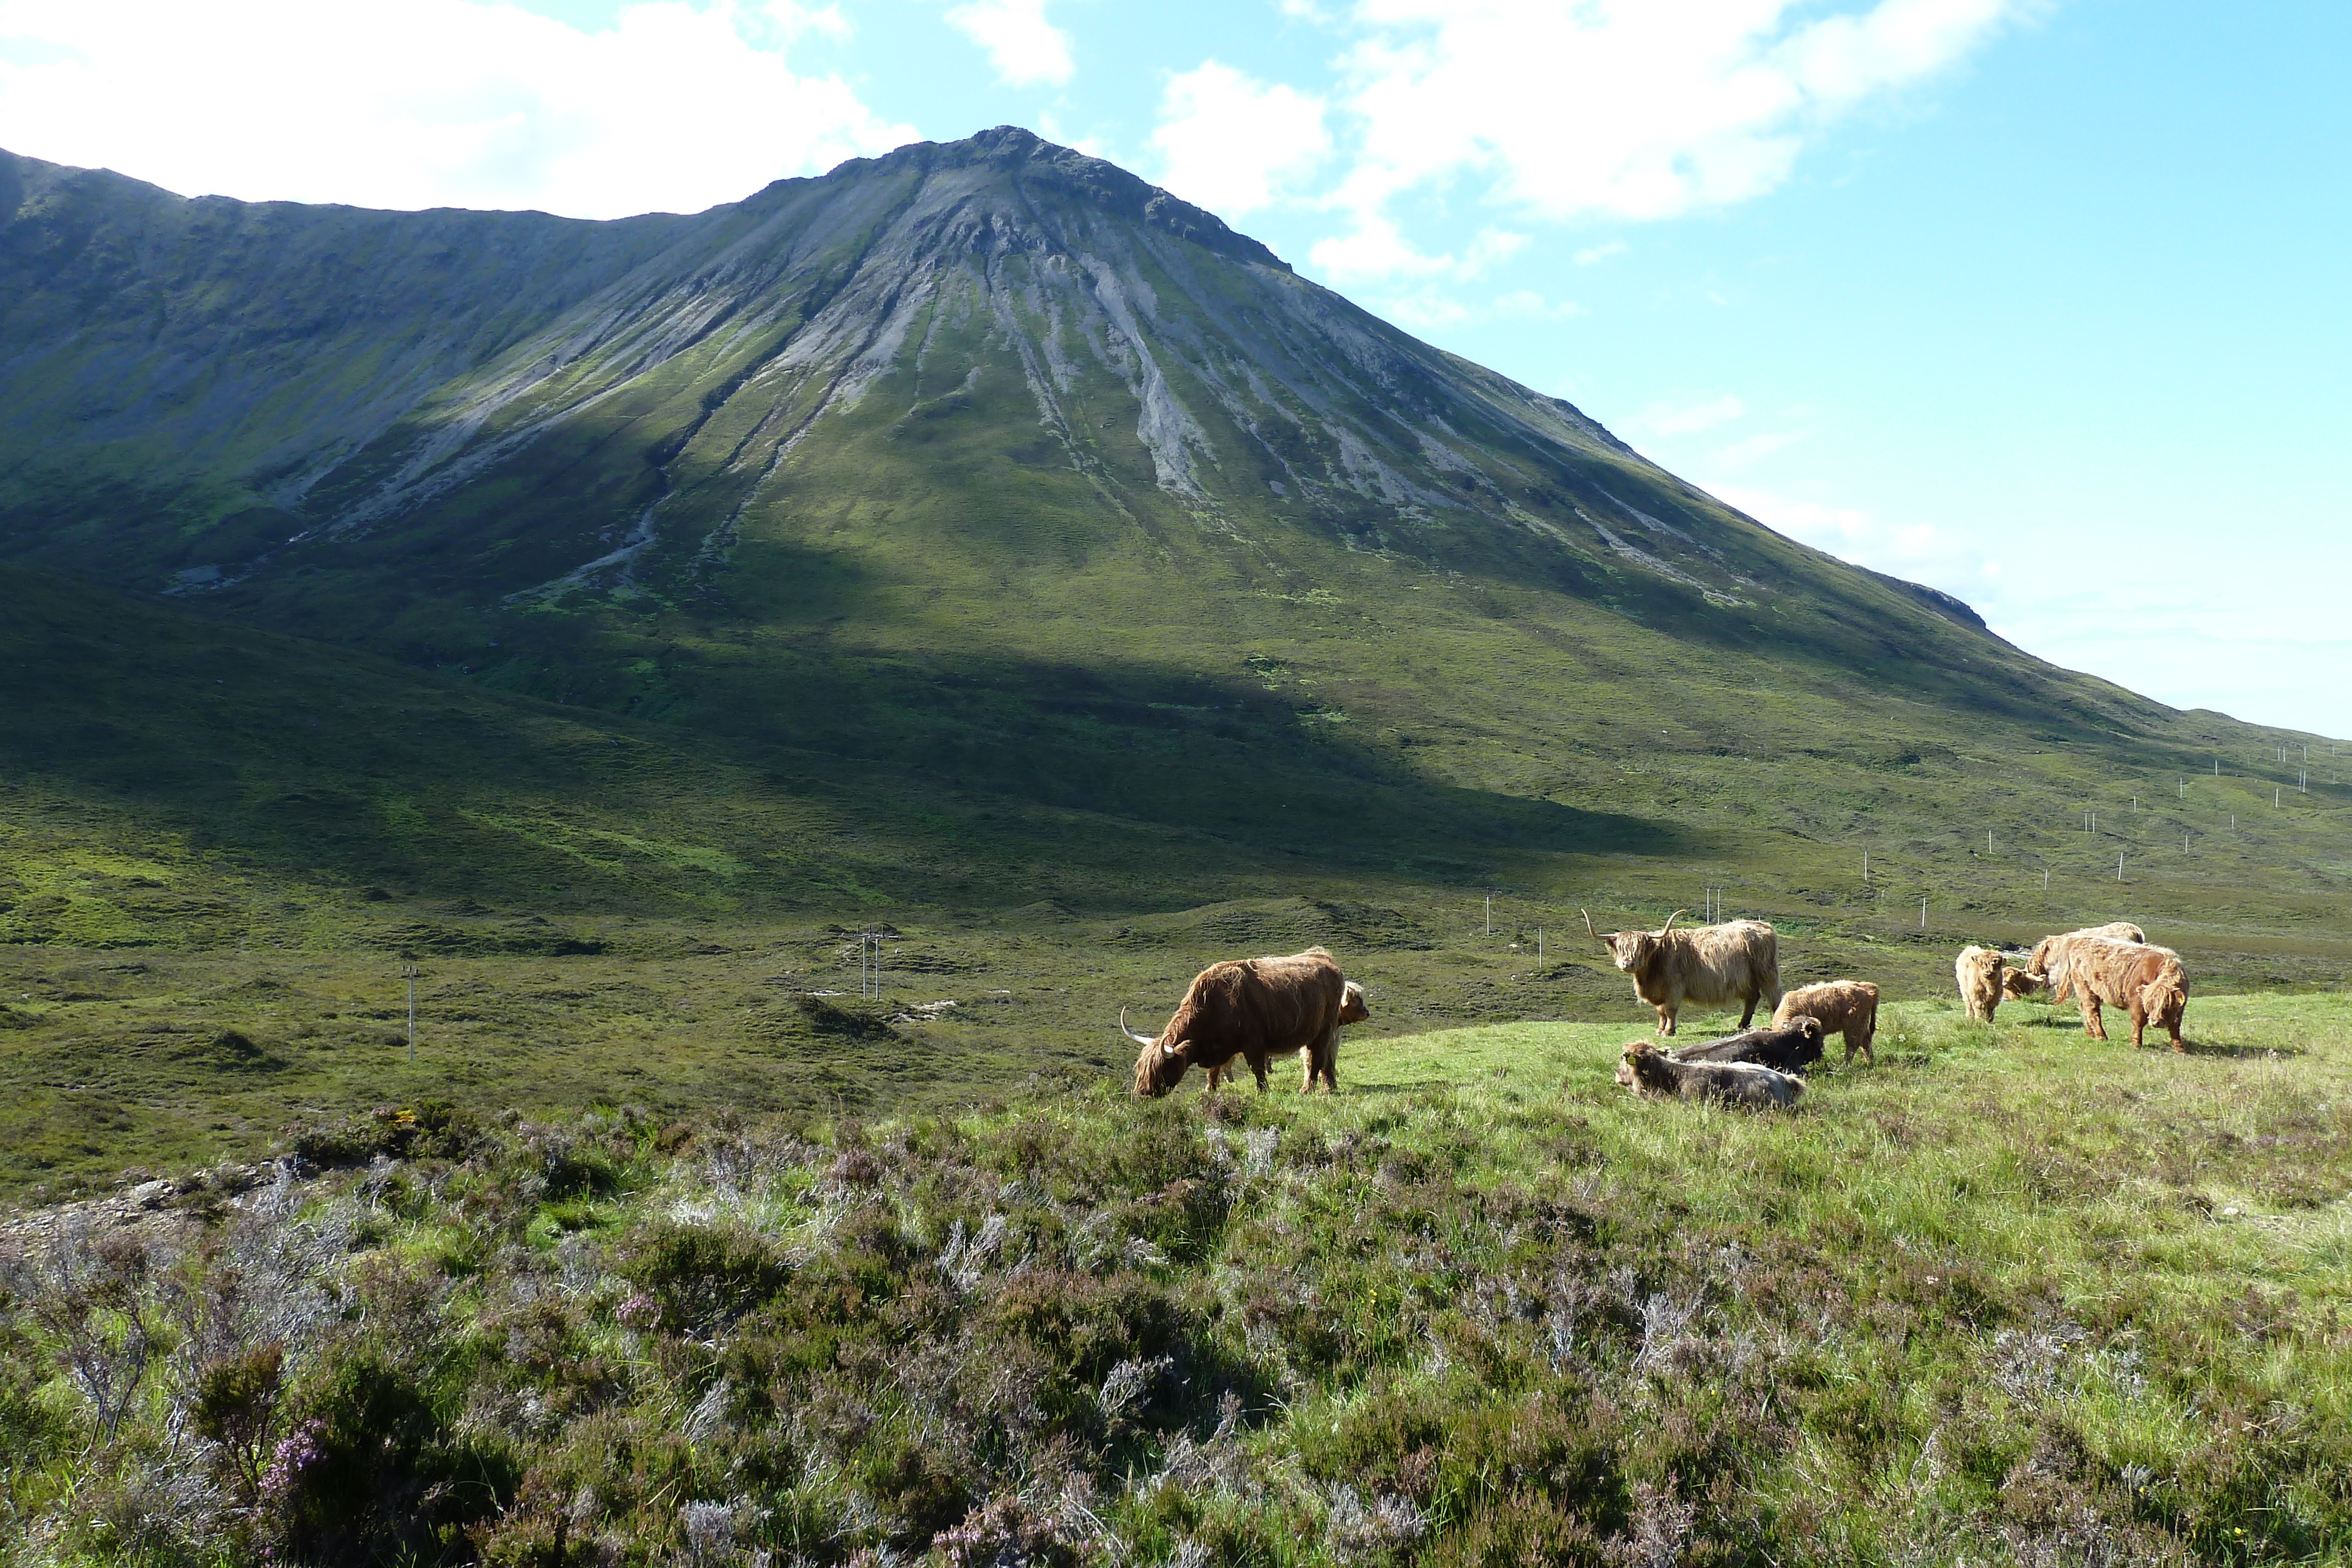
column 2011, row 1295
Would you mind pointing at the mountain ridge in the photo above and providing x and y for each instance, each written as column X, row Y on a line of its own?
column 1169, row 428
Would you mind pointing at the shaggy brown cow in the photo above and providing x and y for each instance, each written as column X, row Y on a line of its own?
column 2146, row 982
column 1977, row 971
column 1850, row 1005
column 1650, row 1072
column 1789, row 1046
column 1709, row 964
column 2049, row 957
column 2016, row 985
column 1255, row 1008
column 1352, row 1010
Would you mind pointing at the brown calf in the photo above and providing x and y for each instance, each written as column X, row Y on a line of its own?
column 1977, row 971
column 1850, row 1005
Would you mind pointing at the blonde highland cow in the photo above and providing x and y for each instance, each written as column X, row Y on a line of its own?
column 1977, row 971
column 2146, row 982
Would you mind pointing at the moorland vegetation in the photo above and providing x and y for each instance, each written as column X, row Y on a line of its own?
column 2009, row 1296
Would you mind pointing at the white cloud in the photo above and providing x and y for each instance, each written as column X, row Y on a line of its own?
column 1430, row 308
column 2186, row 642
column 1672, row 419
column 1026, row 49
column 1233, row 144
column 1634, row 109
column 1598, row 253
column 1375, row 248
column 1490, row 249
column 1528, row 302
column 1763, row 443
column 1919, row 551
column 674, row 106
column 1427, row 310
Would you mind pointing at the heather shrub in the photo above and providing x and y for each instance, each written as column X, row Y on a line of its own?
column 1370, row 1332
column 702, row 1276
column 374, row 1466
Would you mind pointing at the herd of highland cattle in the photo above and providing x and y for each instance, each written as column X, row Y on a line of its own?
column 1256, row 1009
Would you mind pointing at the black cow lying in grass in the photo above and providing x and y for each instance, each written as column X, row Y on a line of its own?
column 1648, row 1071
column 1790, row 1047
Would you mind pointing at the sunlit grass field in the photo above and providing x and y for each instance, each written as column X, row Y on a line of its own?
column 2007, row 1296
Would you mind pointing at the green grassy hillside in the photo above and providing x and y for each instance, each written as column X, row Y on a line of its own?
column 2009, row 1297
column 219, row 846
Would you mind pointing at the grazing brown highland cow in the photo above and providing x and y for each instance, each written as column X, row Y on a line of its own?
column 1352, row 1010
column 2146, row 982
column 1977, row 971
column 1255, row 1008
column 1848, row 1005
column 1739, row 960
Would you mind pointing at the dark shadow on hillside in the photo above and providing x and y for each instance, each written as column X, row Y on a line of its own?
column 328, row 765
column 1156, row 746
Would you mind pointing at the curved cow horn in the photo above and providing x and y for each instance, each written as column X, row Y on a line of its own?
column 1587, row 926
column 1669, row 925
column 1139, row 1039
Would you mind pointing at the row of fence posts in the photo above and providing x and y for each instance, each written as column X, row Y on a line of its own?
column 869, row 941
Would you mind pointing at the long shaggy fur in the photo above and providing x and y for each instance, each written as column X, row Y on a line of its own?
column 1255, row 1008
column 1650, row 1072
column 1352, row 1010
column 1789, row 1046
column 2049, row 953
column 1847, row 1006
column 1739, row 960
column 1977, row 971
column 2146, row 982
column 2016, row 985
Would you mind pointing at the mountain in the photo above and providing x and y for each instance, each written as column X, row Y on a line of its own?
column 996, row 352
column 987, row 467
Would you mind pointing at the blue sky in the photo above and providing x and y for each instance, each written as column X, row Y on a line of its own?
column 2041, row 301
